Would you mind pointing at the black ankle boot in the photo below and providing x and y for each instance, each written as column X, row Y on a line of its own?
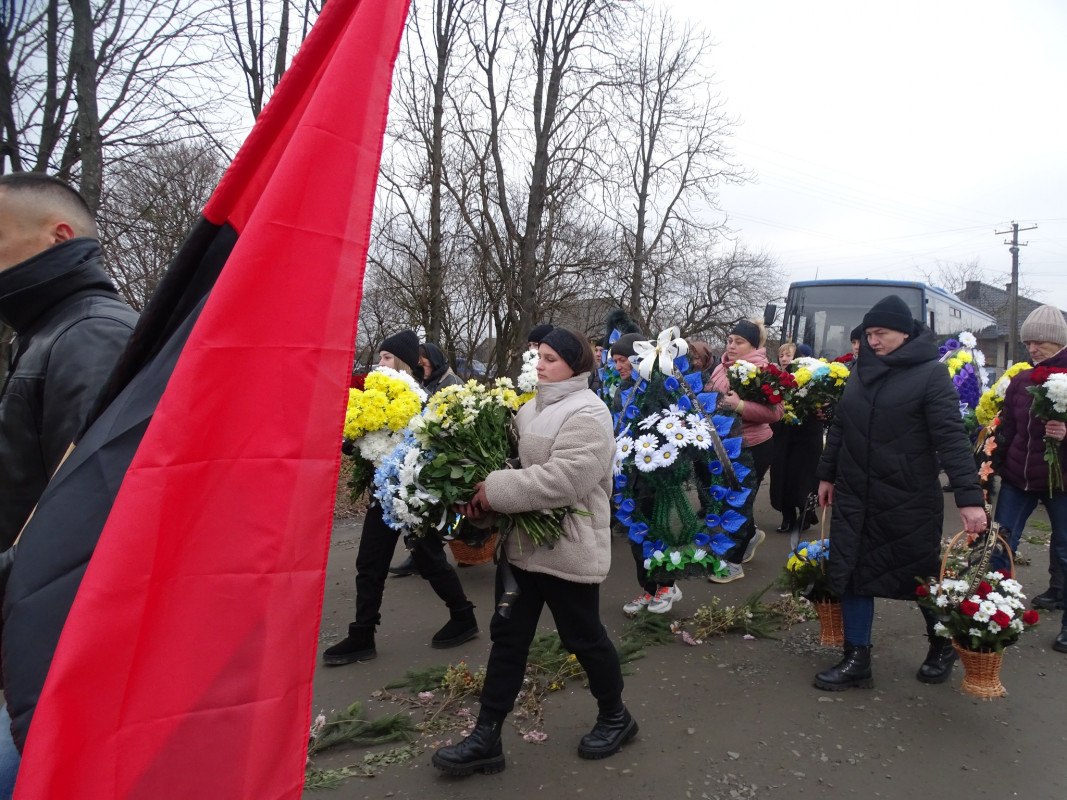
column 462, row 627
column 481, row 751
column 611, row 731
column 404, row 568
column 853, row 671
column 358, row 646
column 787, row 524
column 939, row 661
column 1050, row 600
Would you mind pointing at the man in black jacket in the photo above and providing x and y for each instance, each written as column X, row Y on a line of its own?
column 70, row 327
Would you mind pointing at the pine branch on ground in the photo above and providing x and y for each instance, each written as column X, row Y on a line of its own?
column 350, row 727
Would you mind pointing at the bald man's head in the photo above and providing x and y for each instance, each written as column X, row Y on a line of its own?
column 38, row 212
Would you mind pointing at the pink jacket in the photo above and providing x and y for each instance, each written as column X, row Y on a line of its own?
column 756, row 418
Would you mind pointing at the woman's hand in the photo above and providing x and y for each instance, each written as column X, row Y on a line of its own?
column 826, row 494
column 731, row 400
column 1054, row 429
column 974, row 519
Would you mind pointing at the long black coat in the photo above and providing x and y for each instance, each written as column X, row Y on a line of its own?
column 898, row 418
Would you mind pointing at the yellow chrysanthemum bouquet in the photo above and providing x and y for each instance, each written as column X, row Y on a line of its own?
column 820, row 384
column 376, row 419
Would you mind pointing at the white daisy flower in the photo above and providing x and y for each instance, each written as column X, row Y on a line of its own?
column 645, row 460
column 665, row 456
column 649, row 442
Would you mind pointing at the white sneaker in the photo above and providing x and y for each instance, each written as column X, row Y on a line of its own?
column 664, row 599
column 637, row 604
column 733, row 572
column 753, row 543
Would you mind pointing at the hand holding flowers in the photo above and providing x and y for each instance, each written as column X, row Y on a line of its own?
column 767, row 385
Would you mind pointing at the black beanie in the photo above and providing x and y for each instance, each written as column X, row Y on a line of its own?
column 538, row 333
column 747, row 329
column 890, row 312
column 405, row 346
column 624, row 345
column 564, row 343
column 857, row 334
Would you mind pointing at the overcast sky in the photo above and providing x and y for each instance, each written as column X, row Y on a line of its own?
column 886, row 137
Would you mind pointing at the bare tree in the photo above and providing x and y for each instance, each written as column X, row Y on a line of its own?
column 152, row 200
column 258, row 36
column 669, row 132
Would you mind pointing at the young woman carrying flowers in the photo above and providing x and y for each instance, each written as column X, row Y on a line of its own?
column 746, row 342
column 565, row 450
column 376, row 545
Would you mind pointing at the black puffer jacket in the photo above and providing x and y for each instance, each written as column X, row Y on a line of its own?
column 71, row 326
column 896, row 423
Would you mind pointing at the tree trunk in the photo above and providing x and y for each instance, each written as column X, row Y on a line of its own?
column 90, row 143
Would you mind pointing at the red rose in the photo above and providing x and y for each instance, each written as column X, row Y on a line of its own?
column 922, row 591
column 983, row 590
column 357, row 382
column 1003, row 573
column 1039, row 375
column 1030, row 617
column 1002, row 619
column 969, row 607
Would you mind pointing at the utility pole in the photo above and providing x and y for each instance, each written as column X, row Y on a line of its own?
column 1013, row 291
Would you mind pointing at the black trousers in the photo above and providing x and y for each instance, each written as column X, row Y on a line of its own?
column 762, row 454
column 575, row 609
column 376, row 547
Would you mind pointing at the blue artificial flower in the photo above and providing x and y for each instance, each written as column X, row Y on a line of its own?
column 737, row 499
column 648, row 548
column 621, row 480
column 713, row 520
column 723, row 424
column 702, row 540
column 715, row 467
column 740, row 470
column 641, row 387
column 626, row 508
column 718, row 493
column 684, row 403
column 638, row 532
column 942, row 350
column 732, row 521
column 952, row 344
column 617, row 498
column 733, row 446
column 708, row 401
column 695, row 381
column 631, row 412
column 720, row 543
column 671, row 384
column 614, row 336
column 682, row 364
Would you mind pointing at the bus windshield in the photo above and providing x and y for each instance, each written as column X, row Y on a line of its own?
column 823, row 316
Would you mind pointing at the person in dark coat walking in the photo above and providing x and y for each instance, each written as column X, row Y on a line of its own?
column 1024, row 474
column 896, row 426
column 797, row 448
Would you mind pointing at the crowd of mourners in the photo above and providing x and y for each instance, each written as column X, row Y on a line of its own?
column 875, row 465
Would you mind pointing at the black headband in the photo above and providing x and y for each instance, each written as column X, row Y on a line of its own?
column 747, row 329
column 568, row 347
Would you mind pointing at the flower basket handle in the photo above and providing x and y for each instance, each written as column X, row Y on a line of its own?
column 992, row 536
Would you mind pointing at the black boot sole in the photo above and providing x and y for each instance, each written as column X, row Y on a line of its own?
column 934, row 679
column 861, row 683
column 627, row 735
column 455, row 641
column 340, row 659
column 487, row 766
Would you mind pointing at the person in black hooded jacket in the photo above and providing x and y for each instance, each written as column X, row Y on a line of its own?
column 71, row 326
column 435, row 370
column 896, row 425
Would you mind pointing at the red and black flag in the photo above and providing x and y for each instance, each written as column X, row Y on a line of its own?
column 161, row 620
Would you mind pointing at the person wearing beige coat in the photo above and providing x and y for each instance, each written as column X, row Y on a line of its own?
column 566, row 451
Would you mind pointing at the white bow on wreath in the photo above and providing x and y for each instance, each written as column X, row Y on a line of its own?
column 668, row 347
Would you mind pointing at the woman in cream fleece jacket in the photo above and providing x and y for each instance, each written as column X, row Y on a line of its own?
column 566, row 449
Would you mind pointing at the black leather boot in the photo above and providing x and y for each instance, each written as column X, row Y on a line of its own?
column 611, row 731
column 462, row 627
column 481, row 751
column 787, row 523
column 853, row 671
column 1050, row 600
column 358, row 646
column 404, row 568
column 939, row 661
column 1060, row 642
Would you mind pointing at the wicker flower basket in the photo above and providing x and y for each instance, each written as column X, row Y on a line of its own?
column 466, row 554
column 832, row 630
column 981, row 673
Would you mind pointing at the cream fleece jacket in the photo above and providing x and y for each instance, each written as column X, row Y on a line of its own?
column 566, row 449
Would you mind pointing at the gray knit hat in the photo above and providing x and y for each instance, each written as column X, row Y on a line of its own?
column 1045, row 324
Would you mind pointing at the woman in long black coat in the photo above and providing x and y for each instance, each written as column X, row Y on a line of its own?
column 896, row 426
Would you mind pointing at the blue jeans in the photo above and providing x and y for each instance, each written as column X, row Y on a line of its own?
column 857, row 615
column 9, row 756
column 1014, row 507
